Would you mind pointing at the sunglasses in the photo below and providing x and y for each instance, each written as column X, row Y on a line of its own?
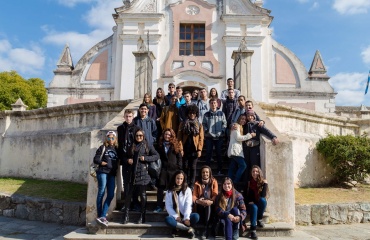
column 139, row 135
column 110, row 138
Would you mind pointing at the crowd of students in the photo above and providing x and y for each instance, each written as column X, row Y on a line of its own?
column 175, row 128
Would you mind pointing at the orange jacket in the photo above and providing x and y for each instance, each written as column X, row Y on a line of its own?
column 198, row 190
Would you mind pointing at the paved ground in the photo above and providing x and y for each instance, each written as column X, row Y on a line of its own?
column 12, row 228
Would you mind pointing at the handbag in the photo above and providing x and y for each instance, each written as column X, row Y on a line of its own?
column 154, row 168
column 94, row 167
column 252, row 143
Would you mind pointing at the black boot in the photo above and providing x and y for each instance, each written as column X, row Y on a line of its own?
column 141, row 218
column 125, row 216
column 143, row 209
column 252, row 232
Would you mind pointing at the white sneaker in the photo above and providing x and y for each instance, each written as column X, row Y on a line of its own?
column 102, row 221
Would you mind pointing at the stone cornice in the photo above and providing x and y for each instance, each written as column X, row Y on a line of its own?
column 248, row 19
column 142, row 17
column 287, row 94
column 249, row 39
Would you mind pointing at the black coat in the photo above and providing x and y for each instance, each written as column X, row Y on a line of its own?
column 110, row 157
column 171, row 162
column 137, row 173
column 126, row 133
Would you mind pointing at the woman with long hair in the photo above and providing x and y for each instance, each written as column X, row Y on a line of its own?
column 213, row 94
column 136, row 173
column 191, row 137
column 160, row 101
column 235, row 149
column 106, row 157
column 255, row 195
column 230, row 209
column 169, row 151
column 204, row 196
column 178, row 205
column 152, row 108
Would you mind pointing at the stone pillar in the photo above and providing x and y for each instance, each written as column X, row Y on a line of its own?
column 242, row 71
column 19, row 105
column 143, row 73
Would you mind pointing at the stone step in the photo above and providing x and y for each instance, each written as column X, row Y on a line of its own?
column 160, row 231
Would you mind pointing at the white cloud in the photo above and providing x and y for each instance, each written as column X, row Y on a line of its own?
column 350, row 88
column 366, row 55
column 72, row 3
column 99, row 17
column 351, row 6
column 24, row 61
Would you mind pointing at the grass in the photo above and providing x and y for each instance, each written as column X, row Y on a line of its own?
column 58, row 190
column 361, row 193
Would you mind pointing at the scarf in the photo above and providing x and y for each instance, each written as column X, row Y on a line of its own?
column 254, row 187
column 191, row 127
column 176, row 199
column 228, row 194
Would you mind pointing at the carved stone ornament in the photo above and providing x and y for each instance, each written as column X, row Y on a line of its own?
column 150, row 7
column 192, row 10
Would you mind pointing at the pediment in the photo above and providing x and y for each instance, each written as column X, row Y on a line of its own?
column 244, row 7
column 140, row 6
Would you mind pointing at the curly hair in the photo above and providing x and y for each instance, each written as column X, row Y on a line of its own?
column 192, row 109
column 173, row 140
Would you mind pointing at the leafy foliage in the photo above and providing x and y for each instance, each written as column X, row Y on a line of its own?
column 349, row 156
column 12, row 86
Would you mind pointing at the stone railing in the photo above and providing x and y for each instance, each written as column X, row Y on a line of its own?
column 332, row 213
column 45, row 210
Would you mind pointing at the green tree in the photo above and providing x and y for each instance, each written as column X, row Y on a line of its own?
column 13, row 86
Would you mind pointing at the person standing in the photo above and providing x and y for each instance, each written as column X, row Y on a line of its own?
column 152, row 109
column 183, row 108
column 160, row 101
column 171, row 92
column 107, row 159
column 230, row 85
column 203, row 103
column 169, row 150
column 191, row 137
column 140, row 154
column 240, row 110
column 180, row 97
column 170, row 116
column 214, row 125
column 214, row 94
column 229, row 106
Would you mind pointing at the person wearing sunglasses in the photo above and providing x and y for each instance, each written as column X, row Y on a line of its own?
column 106, row 175
column 140, row 155
column 171, row 92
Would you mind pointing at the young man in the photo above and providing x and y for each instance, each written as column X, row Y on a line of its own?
column 170, row 116
column 183, row 108
column 214, row 126
column 171, row 92
column 126, row 133
column 230, row 85
column 240, row 110
column 229, row 106
column 180, row 97
column 203, row 103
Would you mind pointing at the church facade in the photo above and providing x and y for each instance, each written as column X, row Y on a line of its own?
column 193, row 44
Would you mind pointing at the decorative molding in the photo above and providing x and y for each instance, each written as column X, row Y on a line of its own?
column 150, row 7
column 177, row 65
column 207, row 65
column 236, row 8
column 192, row 10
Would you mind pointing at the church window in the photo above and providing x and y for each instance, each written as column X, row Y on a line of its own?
column 192, row 39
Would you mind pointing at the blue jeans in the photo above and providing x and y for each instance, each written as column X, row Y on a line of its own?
column 171, row 221
column 109, row 182
column 237, row 168
column 231, row 230
column 210, row 142
column 256, row 211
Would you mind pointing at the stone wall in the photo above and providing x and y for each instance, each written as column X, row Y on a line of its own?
column 332, row 213
column 39, row 209
column 54, row 143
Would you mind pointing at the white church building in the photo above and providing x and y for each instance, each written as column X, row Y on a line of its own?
column 193, row 44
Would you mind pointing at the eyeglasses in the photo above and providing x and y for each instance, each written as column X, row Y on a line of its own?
column 110, row 138
column 139, row 135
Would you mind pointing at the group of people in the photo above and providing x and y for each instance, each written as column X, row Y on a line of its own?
column 174, row 128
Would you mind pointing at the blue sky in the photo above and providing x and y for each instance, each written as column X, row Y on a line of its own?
column 33, row 34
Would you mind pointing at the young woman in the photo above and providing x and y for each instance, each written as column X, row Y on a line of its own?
column 152, row 108
column 170, row 116
column 106, row 175
column 160, row 101
column 136, row 174
column 235, row 150
column 230, row 209
column 204, row 196
column 191, row 137
column 255, row 195
column 170, row 154
column 214, row 95
column 178, row 205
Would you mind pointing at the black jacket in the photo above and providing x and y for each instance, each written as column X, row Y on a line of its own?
column 126, row 133
column 252, row 127
column 171, row 162
column 110, row 157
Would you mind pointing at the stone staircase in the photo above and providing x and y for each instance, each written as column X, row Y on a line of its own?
column 155, row 228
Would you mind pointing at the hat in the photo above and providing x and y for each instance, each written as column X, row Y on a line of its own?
column 111, row 133
column 250, row 112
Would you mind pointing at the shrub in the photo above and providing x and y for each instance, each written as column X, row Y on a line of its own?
column 349, row 156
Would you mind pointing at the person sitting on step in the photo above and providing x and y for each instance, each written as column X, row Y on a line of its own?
column 255, row 196
column 178, row 205
column 141, row 153
column 204, row 195
column 230, row 209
